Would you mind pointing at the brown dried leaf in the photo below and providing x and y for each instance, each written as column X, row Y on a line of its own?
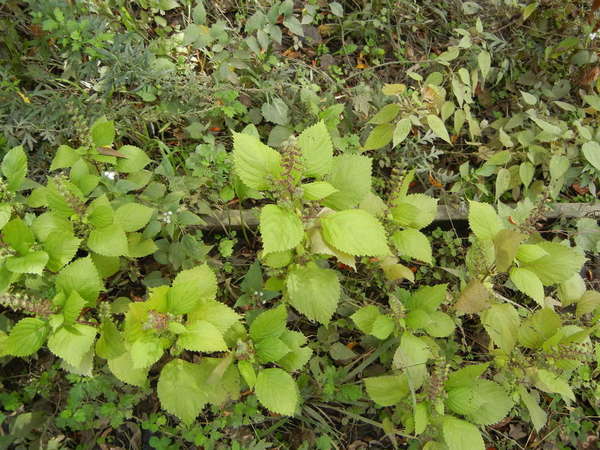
column 473, row 299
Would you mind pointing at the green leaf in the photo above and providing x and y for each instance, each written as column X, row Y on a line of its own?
column 437, row 126
column 255, row 163
column 5, row 213
column 313, row 291
column 483, row 220
column 61, row 246
column 440, row 324
column 465, row 376
column 539, row 327
column 461, row 435
column 593, row 101
column 270, row 323
column 428, row 298
column 191, row 288
column 65, row 157
column 137, row 247
column 528, row 98
column 588, row 303
column 14, row 167
column 415, row 211
column 33, row 262
column 277, row 391
column 369, row 320
column 351, row 176
column 401, row 131
column 591, row 151
column 134, row 161
column 528, row 283
column 379, row 137
column 414, row 244
column 318, row 190
column 108, row 241
column 502, row 324
column 122, row 368
column 387, row 390
column 386, row 114
column 72, row 307
column 484, row 61
column 558, row 166
column 80, row 276
column 317, row 150
column 106, row 266
column 72, row 343
column 220, row 315
column 280, row 229
column 506, row 245
column 133, row 216
column 110, row 344
column 276, row 111
column 47, row 223
column 483, row 402
column 103, row 132
column 355, row 232
column 248, row 373
column 560, row 263
column 538, row 415
column 180, row 391
column 552, row 383
column 26, row 337
column 202, row 336
column 271, row 349
column 503, row 179
column 146, row 351
column 411, row 357
column 18, row 235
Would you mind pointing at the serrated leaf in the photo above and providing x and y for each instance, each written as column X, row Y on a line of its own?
column 539, row 327
column 313, row 291
column 473, row 299
column 379, row 137
column 110, row 344
column 277, row 391
column 439, row 129
column 502, row 324
column 414, row 244
column 179, row 390
column 318, row 190
column 108, row 241
column 355, row 232
column 588, row 303
column 80, row 276
column 270, row 349
column 591, row 151
column 202, row 336
column 61, row 247
column 255, row 163
column 280, row 229
column 503, row 179
column 317, row 150
column 14, row 167
column 552, row 383
column 351, row 176
column 133, row 216
column 527, row 282
column 219, row 314
column 122, row 368
column 65, row 157
column 369, row 320
column 506, row 245
column 387, row 390
column 538, row 415
column 440, row 324
column 558, row 265
column 191, row 288
column 72, row 343
column 103, row 132
column 483, row 220
column 461, row 435
column 72, row 307
column 483, row 402
column 134, row 161
column 415, row 211
column 270, row 323
column 26, row 337
column 276, row 111
column 18, row 235
column 33, row 262
column 146, row 351
column 411, row 356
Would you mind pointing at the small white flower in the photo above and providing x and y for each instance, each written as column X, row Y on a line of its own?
column 109, row 174
column 593, row 36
